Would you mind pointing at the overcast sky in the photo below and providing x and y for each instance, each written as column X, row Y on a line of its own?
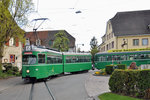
column 83, row 26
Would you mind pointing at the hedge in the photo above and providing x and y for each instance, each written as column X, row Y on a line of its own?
column 110, row 68
column 131, row 82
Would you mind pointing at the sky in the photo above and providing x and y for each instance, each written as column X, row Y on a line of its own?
column 83, row 26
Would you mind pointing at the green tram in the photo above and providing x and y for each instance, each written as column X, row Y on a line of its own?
column 40, row 63
column 140, row 57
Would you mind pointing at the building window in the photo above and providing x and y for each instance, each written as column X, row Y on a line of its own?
column 107, row 37
column 109, row 26
column 111, row 35
column 145, row 41
column 104, row 48
column 12, row 58
column 135, row 42
column 107, row 46
column 112, row 43
column 11, row 42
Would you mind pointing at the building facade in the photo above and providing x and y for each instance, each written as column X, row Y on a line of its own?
column 127, row 30
column 12, row 53
column 46, row 38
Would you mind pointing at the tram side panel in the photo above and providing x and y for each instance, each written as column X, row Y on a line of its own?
column 74, row 63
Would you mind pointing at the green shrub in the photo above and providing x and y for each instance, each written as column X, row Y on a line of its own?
column 109, row 69
column 7, row 66
column 9, row 71
column 121, row 66
column 131, row 82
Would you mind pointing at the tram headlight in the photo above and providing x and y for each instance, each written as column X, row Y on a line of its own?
column 27, row 71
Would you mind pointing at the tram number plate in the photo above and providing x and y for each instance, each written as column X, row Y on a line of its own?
column 28, row 48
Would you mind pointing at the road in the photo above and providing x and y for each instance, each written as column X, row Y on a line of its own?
column 68, row 87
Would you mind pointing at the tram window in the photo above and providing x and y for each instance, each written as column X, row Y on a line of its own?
column 115, row 57
column 87, row 59
column 103, row 58
column 49, row 60
column 74, row 59
column 148, row 55
column 54, row 59
column 108, row 58
column 122, row 57
column 29, row 59
column 143, row 56
column 118, row 57
column 59, row 59
column 82, row 58
column 135, row 56
column 131, row 57
column 99, row 58
column 68, row 59
column 79, row 59
column 41, row 58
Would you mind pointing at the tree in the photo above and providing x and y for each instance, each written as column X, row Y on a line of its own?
column 19, row 9
column 94, row 47
column 78, row 50
column 61, row 41
column 12, row 13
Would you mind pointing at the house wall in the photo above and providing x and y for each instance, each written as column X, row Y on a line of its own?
column 13, row 50
column 129, row 41
column 109, row 37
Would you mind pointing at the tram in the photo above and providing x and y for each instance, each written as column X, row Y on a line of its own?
column 140, row 57
column 40, row 63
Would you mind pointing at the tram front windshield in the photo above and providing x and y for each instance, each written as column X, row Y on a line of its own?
column 29, row 60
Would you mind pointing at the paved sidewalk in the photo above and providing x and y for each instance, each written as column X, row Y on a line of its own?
column 96, row 85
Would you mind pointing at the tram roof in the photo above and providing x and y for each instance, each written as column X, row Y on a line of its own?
column 34, row 48
column 42, row 49
column 124, row 52
column 74, row 53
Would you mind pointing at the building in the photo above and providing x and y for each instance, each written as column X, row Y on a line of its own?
column 12, row 53
column 126, row 31
column 46, row 38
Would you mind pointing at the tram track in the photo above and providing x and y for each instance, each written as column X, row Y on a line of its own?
column 47, row 88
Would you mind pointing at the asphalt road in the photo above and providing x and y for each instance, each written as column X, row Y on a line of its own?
column 68, row 87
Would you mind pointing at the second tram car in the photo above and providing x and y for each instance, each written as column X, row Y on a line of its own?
column 140, row 57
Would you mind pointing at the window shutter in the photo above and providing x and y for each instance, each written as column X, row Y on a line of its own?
column 7, row 43
column 17, row 42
